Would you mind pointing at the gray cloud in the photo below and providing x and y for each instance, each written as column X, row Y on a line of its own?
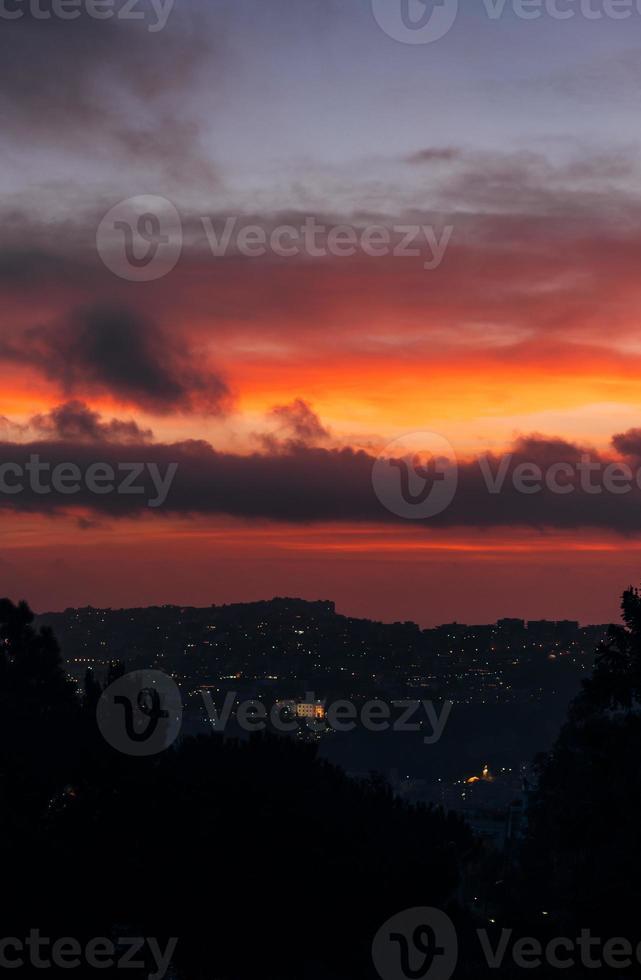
column 108, row 86
column 436, row 154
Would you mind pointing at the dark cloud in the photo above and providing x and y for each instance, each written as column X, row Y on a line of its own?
column 442, row 154
column 298, row 423
column 545, row 450
column 101, row 350
column 86, row 524
column 628, row 443
column 28, row 266
column 75, row 421
column 307, row 485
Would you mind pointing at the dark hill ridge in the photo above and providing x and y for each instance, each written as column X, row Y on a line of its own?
column 285, row 639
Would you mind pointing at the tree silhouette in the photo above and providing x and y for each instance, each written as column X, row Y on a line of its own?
column 39, row 714
column 582, row 860
column 260, row 858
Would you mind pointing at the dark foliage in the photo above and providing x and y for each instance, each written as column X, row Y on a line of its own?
column 583, row 856
column 261, row 859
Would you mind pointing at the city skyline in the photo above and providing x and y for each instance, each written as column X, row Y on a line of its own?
column 504, row 621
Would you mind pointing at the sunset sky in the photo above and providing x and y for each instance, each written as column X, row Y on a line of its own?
column 274, row 382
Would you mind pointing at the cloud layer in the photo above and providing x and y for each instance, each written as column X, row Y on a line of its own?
column 303, row 484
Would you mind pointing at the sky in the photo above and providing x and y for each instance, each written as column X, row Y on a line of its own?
column 471, row 293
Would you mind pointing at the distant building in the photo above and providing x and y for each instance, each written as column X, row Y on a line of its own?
column 542, row 630
column 486, row 775
column 310, row 709
column 303, row 709
column 566, row 630
column 510, row 627
column 450, row 629
column 552, row 631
